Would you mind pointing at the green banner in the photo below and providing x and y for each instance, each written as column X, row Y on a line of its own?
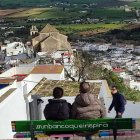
column 72, row 125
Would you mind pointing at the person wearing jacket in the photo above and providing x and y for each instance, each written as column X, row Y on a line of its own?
column 87, row 106
column 118, row 102
column 57, row 108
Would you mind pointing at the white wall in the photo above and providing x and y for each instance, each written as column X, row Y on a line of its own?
column 135, row 85
column 33, row 79
column 107, row 66
column 17, row 70
column 11, row 51
column 122, row 74
column 130, row 107
column 15, row 48
column 24, row 69
column 12, row 108
column 9, row 72
column 103, row 93
column 3, row 90
column 48, row 76
column 31, row 82
column 62, row 75
column 57, row 55
column 104, row 90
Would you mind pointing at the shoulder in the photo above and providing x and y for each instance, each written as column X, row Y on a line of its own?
column 77, row 96
column 66, row 102
column 46, row 107
column 121, row 95
column 96, row 100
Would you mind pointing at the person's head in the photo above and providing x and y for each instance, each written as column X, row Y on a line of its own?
column 114, row 89
column 58, row 92
column 84, row 87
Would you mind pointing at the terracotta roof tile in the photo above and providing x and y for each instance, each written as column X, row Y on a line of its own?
column 47, row 69
column 4, row 81
column 118, row 70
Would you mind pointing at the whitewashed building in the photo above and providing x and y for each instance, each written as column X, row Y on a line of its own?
column 13, row 99
column 135, row 85
column 15, row 48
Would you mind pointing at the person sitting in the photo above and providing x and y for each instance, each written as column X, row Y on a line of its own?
column 57, row 108
column 87, row 106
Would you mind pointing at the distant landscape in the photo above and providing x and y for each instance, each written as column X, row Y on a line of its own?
column 112, row 10
column 42, row 3
column 110, row 13
column 90, row 20
column 32, row 3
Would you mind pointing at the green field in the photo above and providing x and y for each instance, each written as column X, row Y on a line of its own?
column 29, row 12
column 135, row 4
column 57, row 13
column 47, row 13
column 112, row 13
column 74, row 13
column 88, row 27
column 32, row 3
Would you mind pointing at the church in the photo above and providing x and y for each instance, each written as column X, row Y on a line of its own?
column 50, row 40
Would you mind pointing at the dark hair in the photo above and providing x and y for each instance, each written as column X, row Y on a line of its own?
column 58, row 92
column 114, row 86
column 84, row 87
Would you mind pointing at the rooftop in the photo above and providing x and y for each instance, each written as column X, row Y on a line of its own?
column 6, row 94
column 118, row 70
column 45, row 87
column 47, row 69
column 7, row 80
column 48, row 29
column 20, row 77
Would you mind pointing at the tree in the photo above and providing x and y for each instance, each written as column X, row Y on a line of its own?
column 87, row 69
column 81, row 63
column 83, row 60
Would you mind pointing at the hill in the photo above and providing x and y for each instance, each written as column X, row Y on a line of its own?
column 123, row 33
column 42, row 3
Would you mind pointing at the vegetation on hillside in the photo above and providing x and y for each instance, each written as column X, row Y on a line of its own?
column 28, row 12
column 112, row 78
column 73, row 13
column 32, row 3
column 77, row 28
column 135, row 4
column 125, row 34
column 89, row 71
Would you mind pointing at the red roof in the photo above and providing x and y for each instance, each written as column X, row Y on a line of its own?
column 19, row 77
column 7, row 80
column 118, row 70
column 67, row 54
